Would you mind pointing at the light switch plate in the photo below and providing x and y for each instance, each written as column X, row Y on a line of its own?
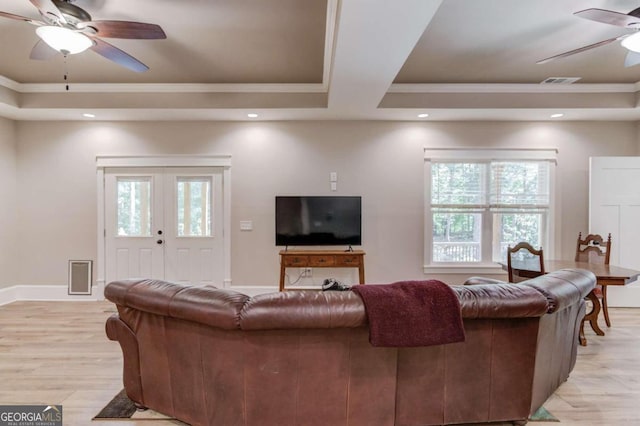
column 246, row 225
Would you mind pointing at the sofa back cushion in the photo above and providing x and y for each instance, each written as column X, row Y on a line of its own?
column 563, row 288
column 303, row 309
column 228, row 309
column 206, row 305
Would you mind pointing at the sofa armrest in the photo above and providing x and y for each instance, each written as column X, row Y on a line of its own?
column 560, row 295
column 500, row 301
column 119, row 331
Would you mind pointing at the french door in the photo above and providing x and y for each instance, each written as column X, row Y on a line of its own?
column 164, row 223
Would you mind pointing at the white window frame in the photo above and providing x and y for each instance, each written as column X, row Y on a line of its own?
column 483, row 155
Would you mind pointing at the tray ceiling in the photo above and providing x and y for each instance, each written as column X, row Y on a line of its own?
column 329, row 59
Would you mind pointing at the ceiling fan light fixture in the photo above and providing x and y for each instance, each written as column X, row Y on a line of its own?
column 632, row 42
column 64, row 40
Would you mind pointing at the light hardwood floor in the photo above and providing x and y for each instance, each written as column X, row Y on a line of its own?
column 58, row 353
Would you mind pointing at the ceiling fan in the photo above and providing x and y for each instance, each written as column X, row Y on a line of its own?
column 69, row 29
column 630, row 41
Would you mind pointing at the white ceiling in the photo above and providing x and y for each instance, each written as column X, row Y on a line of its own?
column 329, row 59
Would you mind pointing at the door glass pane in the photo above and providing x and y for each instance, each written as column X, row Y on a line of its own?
column 194, row 207
column 134, row 206
column 457, row 236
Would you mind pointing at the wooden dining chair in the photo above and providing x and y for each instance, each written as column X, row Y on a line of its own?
column 593, row 249
column 525, row 255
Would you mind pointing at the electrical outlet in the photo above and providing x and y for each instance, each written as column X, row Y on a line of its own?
column 306, row 272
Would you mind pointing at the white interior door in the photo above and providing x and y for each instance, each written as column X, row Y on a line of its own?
column 165, row 223
column 614, row 207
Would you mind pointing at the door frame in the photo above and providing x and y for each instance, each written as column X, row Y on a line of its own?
column 109, row 161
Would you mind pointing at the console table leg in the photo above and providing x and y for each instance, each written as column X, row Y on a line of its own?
column 282, row 271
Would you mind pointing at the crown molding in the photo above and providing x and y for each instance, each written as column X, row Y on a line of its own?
column 172, row 88
column 514, row 88
column 9, row 84
column 163, row 87
column 310, row 87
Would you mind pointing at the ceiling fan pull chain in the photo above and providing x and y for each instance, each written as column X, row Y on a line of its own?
column 66, row 73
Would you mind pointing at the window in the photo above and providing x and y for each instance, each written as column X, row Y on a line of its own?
column 478, row 202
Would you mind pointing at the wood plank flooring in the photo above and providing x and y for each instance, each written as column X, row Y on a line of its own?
column 58, row 353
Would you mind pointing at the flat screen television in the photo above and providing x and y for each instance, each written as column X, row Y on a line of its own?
column 318, row 220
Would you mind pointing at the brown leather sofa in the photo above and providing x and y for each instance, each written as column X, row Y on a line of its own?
column 212, row 356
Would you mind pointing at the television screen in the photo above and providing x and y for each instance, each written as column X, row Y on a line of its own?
column 318, row 221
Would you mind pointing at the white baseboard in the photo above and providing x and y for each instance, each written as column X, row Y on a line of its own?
column 7, row 295
column 45, row 293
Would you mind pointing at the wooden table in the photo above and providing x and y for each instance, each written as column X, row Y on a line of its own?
column 321, row 259
column 606, row 275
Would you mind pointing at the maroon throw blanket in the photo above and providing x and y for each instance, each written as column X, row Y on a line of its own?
column 412, row 313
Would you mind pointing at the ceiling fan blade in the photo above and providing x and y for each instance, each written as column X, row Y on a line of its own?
column 41, row 51
column 125, row 29
column 580, row 50
column 632, row 58
column 18, row 17
column 48, row 8
column 116, row 55
column 609, row 17
column 635, row 12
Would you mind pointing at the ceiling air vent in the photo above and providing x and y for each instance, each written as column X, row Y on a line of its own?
column 560, row 80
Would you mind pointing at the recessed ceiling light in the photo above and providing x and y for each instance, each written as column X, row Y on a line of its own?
column 88, row 115
column 424, row 115
column 252, row 115
column 557, row 115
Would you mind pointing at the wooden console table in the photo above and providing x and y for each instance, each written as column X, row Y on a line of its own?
column 321, row 259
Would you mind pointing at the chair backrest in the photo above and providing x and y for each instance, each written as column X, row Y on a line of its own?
column 529, row 262
column 593, row 249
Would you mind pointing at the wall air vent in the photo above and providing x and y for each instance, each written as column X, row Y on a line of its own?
column 560, row 80
column 80, row 276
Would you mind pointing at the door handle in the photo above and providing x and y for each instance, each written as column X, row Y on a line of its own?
column 159, row 242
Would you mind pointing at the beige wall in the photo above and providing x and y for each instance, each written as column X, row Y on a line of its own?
column 7, row 202
column 381, row 161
